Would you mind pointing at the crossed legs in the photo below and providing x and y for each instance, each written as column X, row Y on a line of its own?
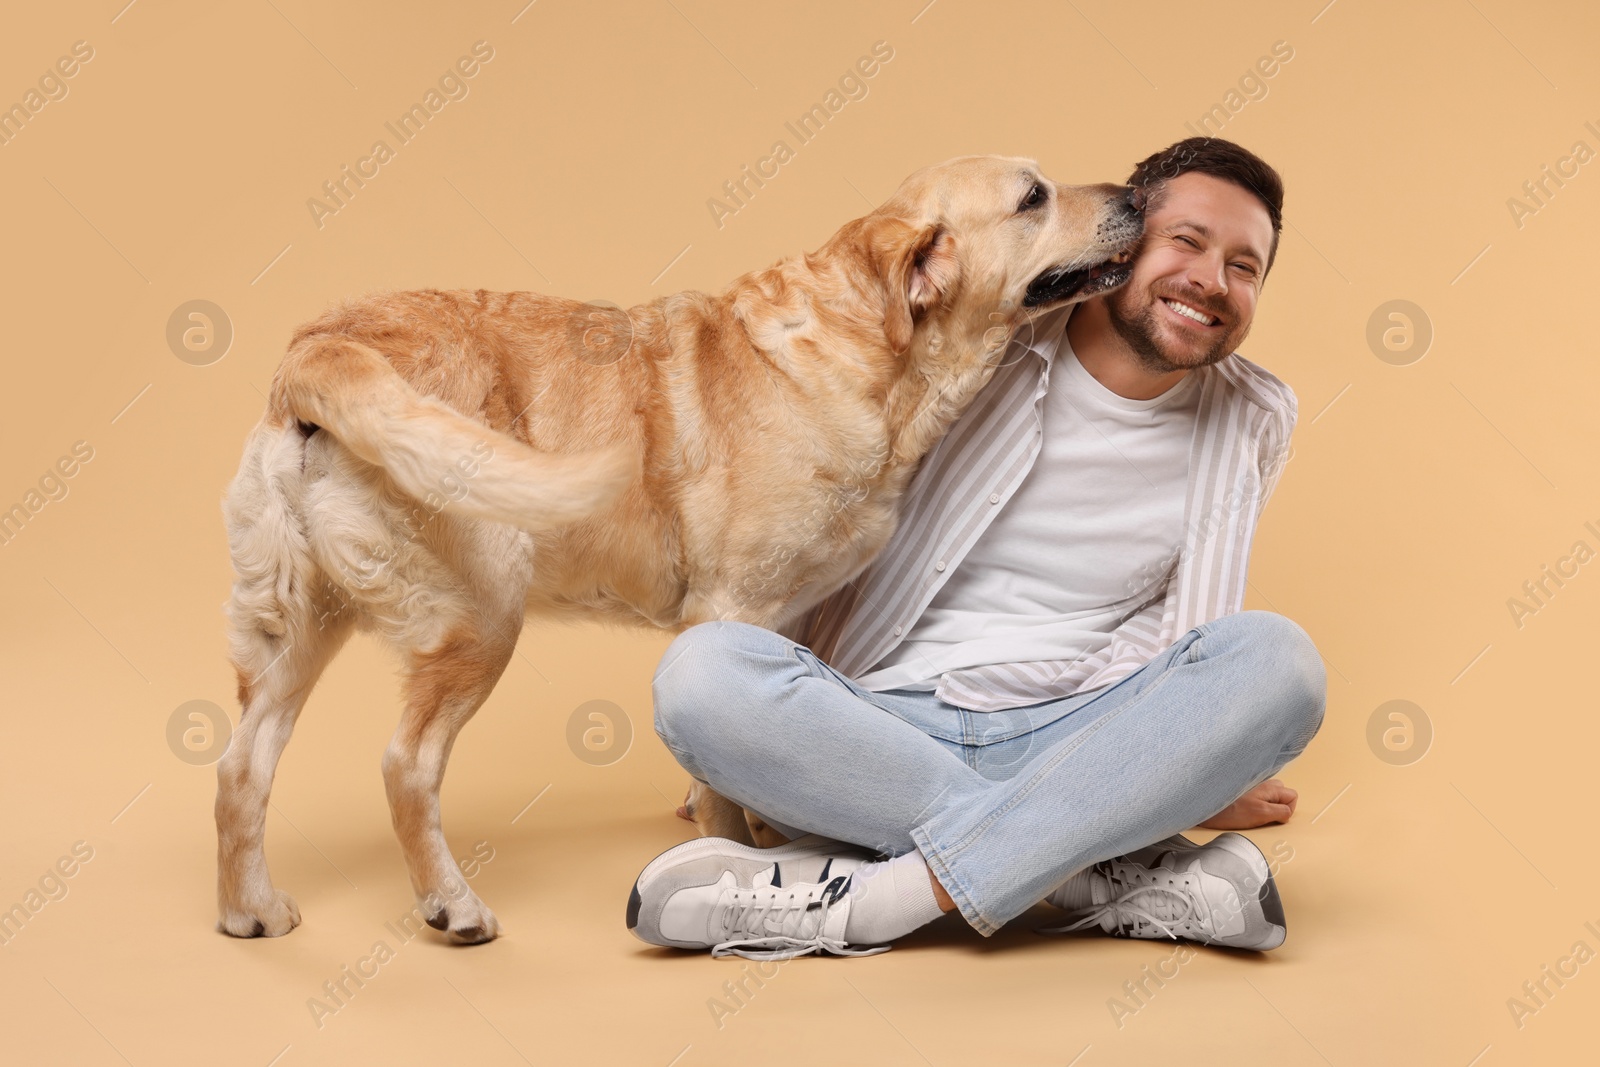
column 1007, row 806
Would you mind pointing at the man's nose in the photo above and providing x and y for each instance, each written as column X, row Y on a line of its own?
column 1209, row 274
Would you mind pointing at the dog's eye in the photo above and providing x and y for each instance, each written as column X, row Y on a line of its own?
column 1036, row 196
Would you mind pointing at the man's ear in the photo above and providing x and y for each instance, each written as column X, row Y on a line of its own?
column 922, row 272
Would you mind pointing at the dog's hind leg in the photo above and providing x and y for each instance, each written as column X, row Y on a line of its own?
column 247, row 903
column 283, row 629
column 448, row 595
column 444, row 686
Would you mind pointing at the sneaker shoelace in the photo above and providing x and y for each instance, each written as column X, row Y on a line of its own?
column 1159, row 907
column 768, row 924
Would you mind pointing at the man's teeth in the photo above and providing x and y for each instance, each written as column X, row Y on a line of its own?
column 1188, row 312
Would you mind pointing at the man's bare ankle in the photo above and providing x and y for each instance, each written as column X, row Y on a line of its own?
column 945, row 903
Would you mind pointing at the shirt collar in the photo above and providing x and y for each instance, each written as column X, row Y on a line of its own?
column 1043, row 337
column 1044, row 334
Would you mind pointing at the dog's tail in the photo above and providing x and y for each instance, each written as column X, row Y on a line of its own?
column 431, row 450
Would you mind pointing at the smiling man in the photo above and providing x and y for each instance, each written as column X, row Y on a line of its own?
column 1047, row 673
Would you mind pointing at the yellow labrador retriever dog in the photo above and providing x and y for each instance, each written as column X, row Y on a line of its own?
column 434, row 467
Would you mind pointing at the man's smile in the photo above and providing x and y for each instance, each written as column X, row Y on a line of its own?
column 1190, row 314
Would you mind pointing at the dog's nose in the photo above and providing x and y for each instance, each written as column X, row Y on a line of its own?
column 1135, row 197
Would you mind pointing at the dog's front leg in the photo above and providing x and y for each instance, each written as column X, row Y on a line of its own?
column 723, row 818
column 714, row 815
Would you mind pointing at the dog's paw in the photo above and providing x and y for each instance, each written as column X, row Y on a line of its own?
column 468, row 921
column 273, row 917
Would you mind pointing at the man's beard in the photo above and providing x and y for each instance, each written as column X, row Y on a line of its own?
column 1139, row 331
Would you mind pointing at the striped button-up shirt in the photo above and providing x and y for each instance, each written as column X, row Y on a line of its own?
column 1240, row 445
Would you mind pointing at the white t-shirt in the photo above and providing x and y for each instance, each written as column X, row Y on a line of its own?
column 1088, row 538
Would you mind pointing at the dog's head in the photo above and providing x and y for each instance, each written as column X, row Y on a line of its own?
column 976, row 246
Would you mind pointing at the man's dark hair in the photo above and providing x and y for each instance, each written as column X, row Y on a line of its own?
column 1220, row 159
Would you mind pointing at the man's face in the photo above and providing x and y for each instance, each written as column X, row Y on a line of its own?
column 1204, row 252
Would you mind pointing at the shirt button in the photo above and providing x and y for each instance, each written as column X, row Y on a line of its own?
column 897, row 630
column 939, row 566
column 994, row 498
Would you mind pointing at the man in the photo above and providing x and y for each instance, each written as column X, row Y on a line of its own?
column 1046, row 674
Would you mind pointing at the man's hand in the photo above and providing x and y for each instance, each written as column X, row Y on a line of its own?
column 1269, row 802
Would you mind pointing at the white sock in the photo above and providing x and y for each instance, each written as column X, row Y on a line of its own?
column 1077, row 891
column 889, row 899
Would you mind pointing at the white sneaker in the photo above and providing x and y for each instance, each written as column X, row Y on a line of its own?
column 759, row 903
column 1219, row 893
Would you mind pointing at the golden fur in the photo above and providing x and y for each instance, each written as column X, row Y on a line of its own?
column 434, row 467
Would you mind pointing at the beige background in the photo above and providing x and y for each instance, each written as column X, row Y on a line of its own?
column 1421, row 894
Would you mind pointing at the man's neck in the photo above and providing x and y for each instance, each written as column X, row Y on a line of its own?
column 1109, row 359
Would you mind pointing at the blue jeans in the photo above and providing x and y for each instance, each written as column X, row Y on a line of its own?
column 1004, row 806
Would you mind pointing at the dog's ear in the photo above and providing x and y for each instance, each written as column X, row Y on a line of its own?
column 919, row 270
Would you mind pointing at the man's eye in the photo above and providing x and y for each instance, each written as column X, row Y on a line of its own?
column 1189, row 241
column 1035, row 197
